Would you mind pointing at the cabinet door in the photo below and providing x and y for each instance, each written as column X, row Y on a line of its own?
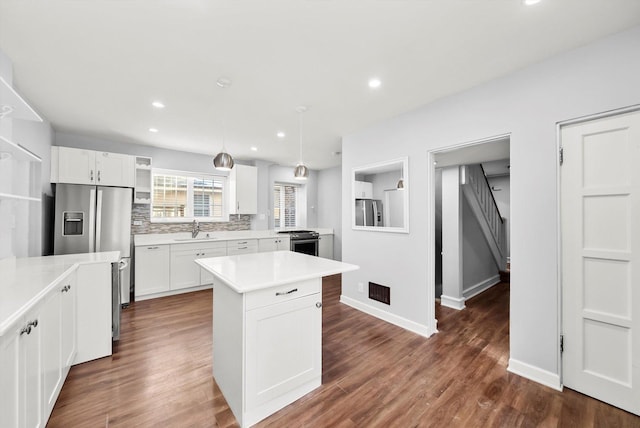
column 68, row 322
column 114, row 169
column 267, row 244
column 152, row 269
column 325, row 246
column 76, row 166
column 284, row 243
column 9, row 377
column 283, row 348
column 49, row 325
column 243, row 182
column 30, row 379
column 184, row 272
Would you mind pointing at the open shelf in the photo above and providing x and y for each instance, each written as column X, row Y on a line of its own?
column 12, row 105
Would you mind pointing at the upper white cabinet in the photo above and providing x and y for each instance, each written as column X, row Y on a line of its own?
column 80, row 166
column 243, row 190
column 363, row 189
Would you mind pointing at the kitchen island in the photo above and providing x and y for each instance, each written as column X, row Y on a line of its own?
column 267, row 328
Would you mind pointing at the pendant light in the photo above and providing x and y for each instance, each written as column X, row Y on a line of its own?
column 400, row 185
column 301, row 172
column 223, row 160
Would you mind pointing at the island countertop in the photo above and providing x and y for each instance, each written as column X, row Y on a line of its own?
column 250, row 272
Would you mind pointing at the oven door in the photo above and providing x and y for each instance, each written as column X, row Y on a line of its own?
column 305, row 246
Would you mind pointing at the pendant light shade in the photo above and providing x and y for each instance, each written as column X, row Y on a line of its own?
column 223, row 160
column 301, row 172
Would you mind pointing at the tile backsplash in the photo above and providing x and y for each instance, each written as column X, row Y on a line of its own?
column 141, row 213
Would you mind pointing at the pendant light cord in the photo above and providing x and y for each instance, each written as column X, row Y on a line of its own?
column 300, row 127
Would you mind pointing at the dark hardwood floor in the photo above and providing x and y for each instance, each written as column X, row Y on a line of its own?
column 374, row 374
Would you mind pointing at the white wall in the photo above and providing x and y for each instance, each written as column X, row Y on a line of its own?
column 330, row 205
column 528, row 104
column 478, row 264
column 308, row 197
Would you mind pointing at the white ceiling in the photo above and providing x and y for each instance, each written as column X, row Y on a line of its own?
column 95, row 66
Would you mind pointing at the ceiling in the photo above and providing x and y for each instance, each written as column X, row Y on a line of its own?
column 94, row 67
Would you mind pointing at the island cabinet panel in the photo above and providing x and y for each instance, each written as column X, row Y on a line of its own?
column 49, row 323
column 283, row 349
column 10, row 376
column 69, row 342
column 152, row 273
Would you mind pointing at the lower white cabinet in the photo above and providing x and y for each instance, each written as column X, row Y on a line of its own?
column 35, row 357
column 274, row 244
column 184, row 272
column 283, row 348
column 152, row 269
column 325, row 246
column 242, row 246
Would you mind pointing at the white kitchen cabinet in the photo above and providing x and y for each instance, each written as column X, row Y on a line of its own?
column 274, row 244
column 68, row 306
column 243, row 190
column 325, row 246
column 49, row 323
column 283, row 348
column 152, row 269
column 184, row 272
column 80, row 166
column 363, row 189
column 242, row 246
column 10, row 376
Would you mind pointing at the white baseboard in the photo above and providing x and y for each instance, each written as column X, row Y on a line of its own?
column 386, row 316
column 546, row 378
column 452, row 302
column 478, row 288
column 173, row 292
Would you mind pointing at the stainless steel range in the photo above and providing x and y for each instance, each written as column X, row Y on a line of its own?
column 303, row 241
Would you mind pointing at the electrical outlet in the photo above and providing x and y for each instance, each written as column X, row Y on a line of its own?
column 360, row 287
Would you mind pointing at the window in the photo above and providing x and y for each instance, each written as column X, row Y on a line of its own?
column 183, row 196
column 284, row 205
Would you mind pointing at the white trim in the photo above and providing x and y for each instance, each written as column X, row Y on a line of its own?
column 412, row 326
column 478, row 288
column 546, row 378
column 173, row 292
column 452, row 302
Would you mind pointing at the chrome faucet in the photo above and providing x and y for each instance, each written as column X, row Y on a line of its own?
column 195, row 228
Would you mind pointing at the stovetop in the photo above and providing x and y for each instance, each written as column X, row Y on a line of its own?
column 301, row 234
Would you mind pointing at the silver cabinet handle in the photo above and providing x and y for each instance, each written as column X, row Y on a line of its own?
column 242, row 248
column 284, row 293
column 152, row 248
column 318, row 304
column 33, row 323
column 66, row 288
column 241, row 243
column 98, row 176
column 91, row 175
column 26, row 330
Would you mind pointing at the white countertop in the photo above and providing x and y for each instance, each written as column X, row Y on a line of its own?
column 250, row 272
column 24, row 281
column 183, row 237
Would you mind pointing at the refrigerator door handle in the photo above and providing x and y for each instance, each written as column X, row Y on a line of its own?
column 92, row 219
column 375, row 213
column 98, row 220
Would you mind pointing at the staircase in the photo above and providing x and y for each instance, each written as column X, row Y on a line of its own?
column 478, row 193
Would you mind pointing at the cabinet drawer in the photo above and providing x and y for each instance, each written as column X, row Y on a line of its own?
column 198, row 246
column 238, row 243
column 283, row 293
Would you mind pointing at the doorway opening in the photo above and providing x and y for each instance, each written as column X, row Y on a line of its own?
column 470, row 255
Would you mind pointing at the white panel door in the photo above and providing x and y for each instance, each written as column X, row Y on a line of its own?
column 600, row 205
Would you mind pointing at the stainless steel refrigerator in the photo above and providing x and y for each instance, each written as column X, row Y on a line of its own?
column 92, row 219
column 368, row 212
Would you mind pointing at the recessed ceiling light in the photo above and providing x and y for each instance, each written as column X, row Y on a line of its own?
column 280, row 134
column 530, row 2
column 157, row 104
column 154, row 130
column 374, row 83
column 254, row 149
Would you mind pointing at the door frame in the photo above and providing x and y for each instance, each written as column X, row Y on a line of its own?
column 431, row 215
column 559, row 126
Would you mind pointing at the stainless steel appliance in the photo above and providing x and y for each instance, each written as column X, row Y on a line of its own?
column 96, row 218
column 368, row 212
column 303, row 241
